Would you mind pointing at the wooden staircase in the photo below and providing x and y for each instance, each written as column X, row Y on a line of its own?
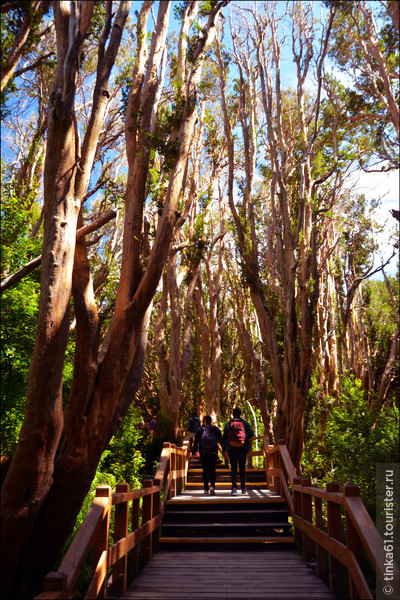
column 332, row 529
column 257, row 520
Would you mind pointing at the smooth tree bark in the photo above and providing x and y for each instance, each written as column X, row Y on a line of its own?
column 173, row 342
column 29, row 478
column 172, row 339
column 255, row 380
column 57, row 455
column 210, row 329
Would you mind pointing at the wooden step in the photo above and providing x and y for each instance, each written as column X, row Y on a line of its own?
column 214, row 501
column 222, row 484
column 227, row 531
column 223, row 524
column 224, row 470
column 224, row 540
column 219, row 543
column 266, row 515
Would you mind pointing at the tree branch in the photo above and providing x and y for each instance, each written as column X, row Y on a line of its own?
column 15, row 278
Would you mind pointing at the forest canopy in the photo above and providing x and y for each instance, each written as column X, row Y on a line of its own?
column 184, row 228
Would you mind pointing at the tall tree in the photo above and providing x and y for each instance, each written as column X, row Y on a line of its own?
column 57, row 453
column 293, row 190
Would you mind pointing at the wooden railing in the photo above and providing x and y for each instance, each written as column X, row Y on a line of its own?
column 138, row 511
column 333, row 528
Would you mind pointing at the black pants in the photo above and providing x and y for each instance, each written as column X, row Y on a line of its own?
column 209, row 463
column 238, row 456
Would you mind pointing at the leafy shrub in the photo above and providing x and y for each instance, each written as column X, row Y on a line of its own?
column 351, row 442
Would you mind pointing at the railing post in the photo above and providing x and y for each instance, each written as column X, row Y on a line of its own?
column 181, row 467
column 337, row 583
column 269, row 465
column 172, row 462
column 298, row 510
column 319, row 522
column 266, row 446
column 278, row 465
column 308, row 545
column 121, row 516
column 100, row 538
column 352, row 538
column 250, row 457
column 156, row 513
column 168, row 446
column 134, row 557
column 147, row 515
column 56, row 582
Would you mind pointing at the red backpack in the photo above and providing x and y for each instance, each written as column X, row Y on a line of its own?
column 236, row 434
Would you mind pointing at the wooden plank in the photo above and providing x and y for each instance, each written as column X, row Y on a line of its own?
column 218, row 484
column 98, row 577
column 117, row 498
column 221, row 540
column 371, row 539
column 186, row 499
column 232, row 575
column 79, row 548
column 223, row 471
column 318, row 492
column 358, row 578
column 287, row 461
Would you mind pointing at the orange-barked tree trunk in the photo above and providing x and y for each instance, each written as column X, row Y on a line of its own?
column 57, row 455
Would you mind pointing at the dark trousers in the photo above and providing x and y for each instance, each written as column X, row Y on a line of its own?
column 209, row 463
column 238, row 456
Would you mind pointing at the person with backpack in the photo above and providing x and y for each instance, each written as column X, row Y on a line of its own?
column 207, row 439
column 235, row 446
column 194, row 423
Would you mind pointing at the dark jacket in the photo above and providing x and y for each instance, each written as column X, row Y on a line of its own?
column 225, row 438
column 194, row 424
column 199, row 433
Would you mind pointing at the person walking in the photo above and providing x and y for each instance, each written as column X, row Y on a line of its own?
column 235, row 446
column 207, row 439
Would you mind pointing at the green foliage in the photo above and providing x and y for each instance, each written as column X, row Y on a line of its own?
column 18, row 327
column 380, row 326
column 165, row 139
column 123, row 456
column 122, row 461
column 364, row 104
column 344, row 440
column 19, row 310
column 359, row 234
column 198, row 242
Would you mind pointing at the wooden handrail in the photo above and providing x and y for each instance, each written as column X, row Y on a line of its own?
column 317, row 535
column 94, row 531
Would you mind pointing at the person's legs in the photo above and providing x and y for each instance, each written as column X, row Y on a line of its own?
column 204, row 464
column 233, row 458
column 242, row 467
column 212, row 471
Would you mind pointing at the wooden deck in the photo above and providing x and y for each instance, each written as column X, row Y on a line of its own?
column 226, row 576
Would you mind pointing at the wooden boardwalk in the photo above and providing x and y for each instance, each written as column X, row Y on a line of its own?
column 212, row 567
column 226, row 576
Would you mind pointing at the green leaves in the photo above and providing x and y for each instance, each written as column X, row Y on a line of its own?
column 344, row 441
